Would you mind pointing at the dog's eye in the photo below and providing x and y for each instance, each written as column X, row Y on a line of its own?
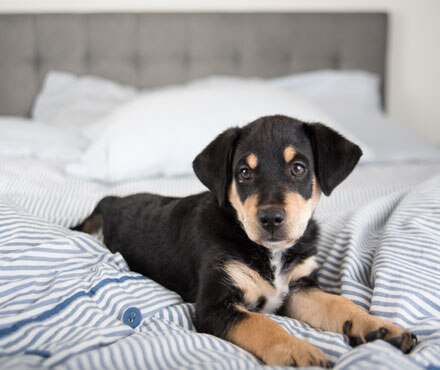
column 245, row 173
column 298, row 169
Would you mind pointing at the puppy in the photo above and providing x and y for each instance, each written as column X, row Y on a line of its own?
column 247, row 246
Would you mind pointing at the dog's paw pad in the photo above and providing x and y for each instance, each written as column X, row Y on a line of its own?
column 405, row 342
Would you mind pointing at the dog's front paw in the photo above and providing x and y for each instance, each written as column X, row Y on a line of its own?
column 294, row 352
column 369, row 328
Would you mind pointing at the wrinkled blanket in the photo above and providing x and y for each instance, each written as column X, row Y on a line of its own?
column 66, row 301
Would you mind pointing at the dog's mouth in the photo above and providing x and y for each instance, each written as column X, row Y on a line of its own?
column 277, row 244
column 273, row 239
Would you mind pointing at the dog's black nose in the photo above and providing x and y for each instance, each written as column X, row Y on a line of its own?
column 271, row 218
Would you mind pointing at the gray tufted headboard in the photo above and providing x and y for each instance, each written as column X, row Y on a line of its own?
column 156, row 49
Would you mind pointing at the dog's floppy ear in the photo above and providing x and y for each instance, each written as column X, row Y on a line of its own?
column 335, row 156
column 213, row 165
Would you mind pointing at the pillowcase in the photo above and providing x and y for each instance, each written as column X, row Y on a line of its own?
column 161, row 132
column 337, row 89
column 71, row 102
column 21, row 137
column 356, row 88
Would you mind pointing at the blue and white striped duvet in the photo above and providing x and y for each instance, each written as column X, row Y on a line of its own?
column 63, row 296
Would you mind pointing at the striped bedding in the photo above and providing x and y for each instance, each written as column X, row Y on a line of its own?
column 66, row 302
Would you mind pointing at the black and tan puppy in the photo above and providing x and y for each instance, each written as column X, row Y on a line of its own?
column 247, row 246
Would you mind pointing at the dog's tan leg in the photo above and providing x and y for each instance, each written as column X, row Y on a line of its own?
column 268, row 341
column 338, row 314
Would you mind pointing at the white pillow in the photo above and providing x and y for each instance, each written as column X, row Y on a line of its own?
column 339, row 89
column 21, row 137
column 354, row 88
column 71, row 102
column 160, row 133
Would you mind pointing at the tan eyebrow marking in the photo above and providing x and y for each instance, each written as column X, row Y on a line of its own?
column 252, row 161
column 289, row 153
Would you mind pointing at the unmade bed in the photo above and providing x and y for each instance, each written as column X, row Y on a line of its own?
column 66, row 302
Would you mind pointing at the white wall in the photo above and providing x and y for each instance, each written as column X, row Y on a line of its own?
column 414, row 44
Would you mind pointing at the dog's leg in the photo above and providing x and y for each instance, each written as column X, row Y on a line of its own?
column 338, row 314
column 91, row 224
column 221, row 311
column 94, row 223
column 259, row 335
column 267, row 340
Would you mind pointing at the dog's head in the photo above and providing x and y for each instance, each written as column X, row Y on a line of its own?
column 272, row 172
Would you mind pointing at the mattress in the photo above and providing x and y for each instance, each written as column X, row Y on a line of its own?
column 65, row 297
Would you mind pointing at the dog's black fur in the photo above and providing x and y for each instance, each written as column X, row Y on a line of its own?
column 185, row 243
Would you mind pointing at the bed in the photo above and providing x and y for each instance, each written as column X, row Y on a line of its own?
column 65, row 300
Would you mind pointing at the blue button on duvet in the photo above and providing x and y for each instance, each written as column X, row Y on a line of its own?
column 132, row 317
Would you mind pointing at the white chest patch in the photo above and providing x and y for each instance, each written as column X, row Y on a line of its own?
column 280, row 283
column 254, row 286
column 282, row 280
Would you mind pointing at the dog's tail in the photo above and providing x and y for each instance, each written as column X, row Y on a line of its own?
column 94, row 223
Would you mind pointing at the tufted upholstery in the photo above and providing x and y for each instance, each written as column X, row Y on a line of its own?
column 155, row 49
